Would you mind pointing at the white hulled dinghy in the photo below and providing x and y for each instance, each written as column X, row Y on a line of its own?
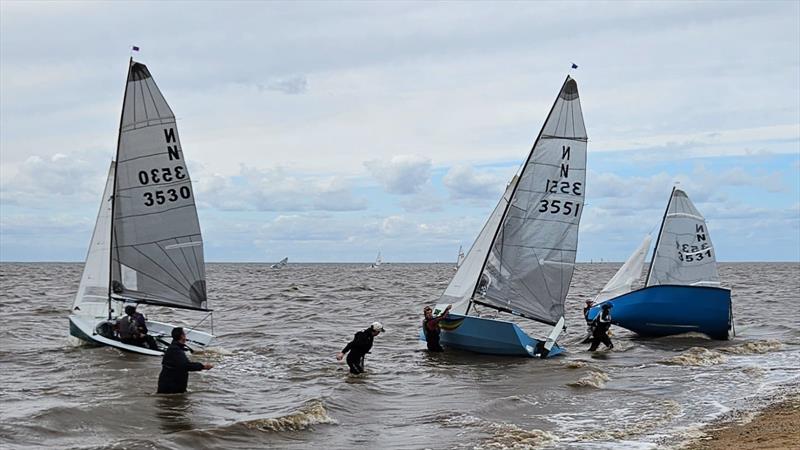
column 146, row 246
column 378, row 260
column 523, row 259
column 280, row 264
column 682, row 292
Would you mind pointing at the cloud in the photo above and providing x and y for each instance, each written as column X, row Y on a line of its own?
column 274, row 189
column 402, row 174
column 292, row 85
column 463, row 182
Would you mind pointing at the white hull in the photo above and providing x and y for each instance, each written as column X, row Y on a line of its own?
column 84, row 328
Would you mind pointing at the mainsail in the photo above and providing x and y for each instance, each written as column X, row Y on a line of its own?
column 684, row 254
column 280, row 263
column 532, row 257
column 94, row 281
column 630, row 272
column 462, row 285
column 157, row 249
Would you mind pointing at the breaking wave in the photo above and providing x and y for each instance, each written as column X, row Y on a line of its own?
column 503, row 435
column 578, row 364
column 594, row 379
column 313, row 413
column 646, row 423
column 753, row 348
column 696, row 356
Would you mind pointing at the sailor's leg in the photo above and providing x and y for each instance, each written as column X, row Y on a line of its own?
column 595, row 344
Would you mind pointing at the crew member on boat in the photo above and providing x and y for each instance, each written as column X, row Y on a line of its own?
column 133, row 329
column 430, row 325
column 600, row 327
column 359, row 347
column 175, row 366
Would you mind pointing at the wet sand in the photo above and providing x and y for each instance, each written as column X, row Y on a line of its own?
column 775, row 427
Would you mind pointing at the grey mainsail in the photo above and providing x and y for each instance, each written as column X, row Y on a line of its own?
column 157, row 248
column 532, row 258
column 684, row 254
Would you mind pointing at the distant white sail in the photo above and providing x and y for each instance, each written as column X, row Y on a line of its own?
column 628, row 274
column 684, row 254
column 462, row 285
column 157, row 251
column 460, row 258
column 378, row 260
column 280, row 263
column 532, row 260
column 93, row 288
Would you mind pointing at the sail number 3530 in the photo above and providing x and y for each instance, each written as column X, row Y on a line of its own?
column 559, row 207
column 164, row 174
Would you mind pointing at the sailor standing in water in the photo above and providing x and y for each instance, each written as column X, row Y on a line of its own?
column 359, row 347
column 430, row 326
column 175, row 366
column 600, row 327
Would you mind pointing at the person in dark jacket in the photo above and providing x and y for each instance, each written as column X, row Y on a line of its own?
column 360, row 346
column 175, row 366
column 430, row 326
column 133, row 329
column 600, row 327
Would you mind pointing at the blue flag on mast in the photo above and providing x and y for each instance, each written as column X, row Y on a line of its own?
column 574, row 66
column 136, row 49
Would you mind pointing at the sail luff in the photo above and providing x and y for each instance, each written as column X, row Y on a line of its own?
column 114, row 191
column 658, row 239
column 514, row 191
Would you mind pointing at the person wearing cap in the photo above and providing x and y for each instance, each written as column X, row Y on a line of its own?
column 600, row 327
column 589, row 328
column 359, row 347
column 175, row 366
column 430, row 326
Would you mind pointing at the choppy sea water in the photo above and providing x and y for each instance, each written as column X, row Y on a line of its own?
column 277, row 384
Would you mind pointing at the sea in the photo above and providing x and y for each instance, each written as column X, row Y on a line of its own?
column 277, row 384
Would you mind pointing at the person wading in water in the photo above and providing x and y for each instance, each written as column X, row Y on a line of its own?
column 175, row 366
column 600, row 327
column 360, row 346
column 430, row 326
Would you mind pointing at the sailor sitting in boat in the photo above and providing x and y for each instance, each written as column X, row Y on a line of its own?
column 133, row 329
column 600, row 327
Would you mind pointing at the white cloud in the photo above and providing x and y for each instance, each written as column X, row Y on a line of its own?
column 402, row 174
column 464, row 182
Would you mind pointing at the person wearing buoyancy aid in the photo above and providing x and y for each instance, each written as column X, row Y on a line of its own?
column 175, row 366
column 600, row 327
column 430, row 326
column 359, row 347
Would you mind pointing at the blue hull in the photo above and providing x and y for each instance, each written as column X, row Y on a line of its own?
column 489, row 336
column 668, row 310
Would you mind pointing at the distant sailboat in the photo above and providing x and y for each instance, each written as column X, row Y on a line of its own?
column 460, row 258
column 523, row 259
column 280, row 264
column 378, row 260
column 682, row 291
column 146, row 246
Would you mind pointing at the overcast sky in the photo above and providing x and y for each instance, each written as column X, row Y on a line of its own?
column 326, row 131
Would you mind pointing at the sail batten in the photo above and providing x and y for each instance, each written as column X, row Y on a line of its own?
column 529, row 267
column 155, row 218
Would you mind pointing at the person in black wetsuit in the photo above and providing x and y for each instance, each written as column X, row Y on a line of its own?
column 133, row 329
column 600, row 327
column 360, row 346
column 430, row 326
column 175, row 366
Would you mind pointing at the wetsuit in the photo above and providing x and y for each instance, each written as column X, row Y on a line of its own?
column 133, row 331
column 432, row 332
column 358, row 347
column 600, row 330
column 175, row 368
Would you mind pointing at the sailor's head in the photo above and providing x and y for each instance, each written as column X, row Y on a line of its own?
column 377, row 328
column 607, row 306
column 589, row 302
column 178, row 334
column 130, row 310
column 428, row 312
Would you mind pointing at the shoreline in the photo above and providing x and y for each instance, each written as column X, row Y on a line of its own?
column 775, row 426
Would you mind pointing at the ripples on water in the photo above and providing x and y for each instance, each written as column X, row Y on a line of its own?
column 276, row 382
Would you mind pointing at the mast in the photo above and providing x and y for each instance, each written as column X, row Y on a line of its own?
column 511, row 197
column 658, row 239
column 114, row 190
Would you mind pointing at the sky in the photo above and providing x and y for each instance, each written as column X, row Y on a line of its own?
column 327, row 131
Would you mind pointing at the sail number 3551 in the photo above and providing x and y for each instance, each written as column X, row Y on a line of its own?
column 559, row 207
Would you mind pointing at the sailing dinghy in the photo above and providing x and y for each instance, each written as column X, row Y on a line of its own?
column 280, row 264
column 523, row 259
column 682, row 291
column 460, row 258
column 146, row 246
column 378, row 260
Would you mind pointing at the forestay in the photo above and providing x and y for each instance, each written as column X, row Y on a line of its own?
column 94, row 281
column 157, row 251
column 631, row 271
column 684, row 254
column 462, row 285
column 532, row 259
